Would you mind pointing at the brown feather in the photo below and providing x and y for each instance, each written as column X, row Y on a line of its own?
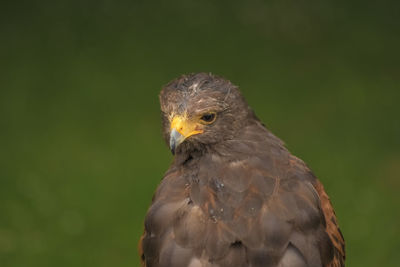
column 332, row 227
column 140, row 250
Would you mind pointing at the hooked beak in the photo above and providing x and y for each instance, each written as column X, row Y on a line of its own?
column 175, row 139
column 182, row 128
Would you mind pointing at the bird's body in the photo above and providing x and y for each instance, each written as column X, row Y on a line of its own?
column 234, row 195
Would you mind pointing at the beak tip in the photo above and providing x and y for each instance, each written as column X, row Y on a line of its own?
column 175, row 139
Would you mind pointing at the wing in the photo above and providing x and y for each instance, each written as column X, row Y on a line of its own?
column 332, row 227
column 140, row 251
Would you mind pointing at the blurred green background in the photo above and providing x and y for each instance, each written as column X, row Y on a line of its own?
column 80, row 138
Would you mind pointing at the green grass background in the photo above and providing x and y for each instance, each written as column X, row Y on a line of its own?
column 80, row 137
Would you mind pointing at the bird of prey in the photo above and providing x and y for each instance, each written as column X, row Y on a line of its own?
column 234, row 196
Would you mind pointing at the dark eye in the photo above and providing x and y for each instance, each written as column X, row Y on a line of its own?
column 208, row 118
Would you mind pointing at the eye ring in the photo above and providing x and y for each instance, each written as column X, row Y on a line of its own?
column 208, row 118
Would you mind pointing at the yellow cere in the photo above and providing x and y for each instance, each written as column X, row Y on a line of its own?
column 185, row 127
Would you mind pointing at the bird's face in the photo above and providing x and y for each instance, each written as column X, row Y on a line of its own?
column 189, row 124
column 200, row 110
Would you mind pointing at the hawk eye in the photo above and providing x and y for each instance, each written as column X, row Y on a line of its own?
column 208, row 118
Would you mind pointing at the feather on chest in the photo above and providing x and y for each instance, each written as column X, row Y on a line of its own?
column 212, row 206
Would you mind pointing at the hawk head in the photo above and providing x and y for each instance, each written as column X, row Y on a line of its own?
column 199, row 110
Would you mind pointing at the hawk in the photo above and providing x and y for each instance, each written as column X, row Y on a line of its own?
column 234, row 195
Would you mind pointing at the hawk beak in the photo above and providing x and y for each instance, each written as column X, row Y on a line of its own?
column 175, row 139
column 181, row 128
